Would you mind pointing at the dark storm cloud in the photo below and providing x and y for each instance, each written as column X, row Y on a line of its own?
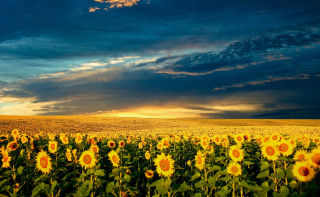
column 263, row 54
column 64, row 29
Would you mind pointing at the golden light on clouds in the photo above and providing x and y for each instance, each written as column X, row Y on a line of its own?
column 155, row 112
column 114, row 4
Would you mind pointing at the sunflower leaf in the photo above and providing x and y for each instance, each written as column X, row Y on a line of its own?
column 163, row 186
column 99, row 173
column 263, row 174
column 20, row 170
column 110, row 187
column 197, row 175
column 224, row 191
column 264, row 166
column 280, row 173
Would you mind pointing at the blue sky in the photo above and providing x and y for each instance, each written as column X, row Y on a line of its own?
column 160, row 58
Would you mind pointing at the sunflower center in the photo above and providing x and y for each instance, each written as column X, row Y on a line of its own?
column 316, row 140
column 316, row 158
column 111, row 144
column 79, row 137
column 234, row 169
column 284, row 147
column 115, row 159
column 236, row 153
column 122, row 144
column 303, row 171
column 44, row 162
column 199, row 160
column 301, row 157
column 217, row 139
column 246, row 137
column 87, row 159
column 164, row 164
column 14, row 146
column 52, row 146
column 270, row 150
column 94, row 149
column 274, row 137
column 5, row 159
column 239, row 138
column 204, row 143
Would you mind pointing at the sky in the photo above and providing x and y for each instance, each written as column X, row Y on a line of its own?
column 161, row 58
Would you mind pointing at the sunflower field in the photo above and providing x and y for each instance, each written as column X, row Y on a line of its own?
column 160, row 164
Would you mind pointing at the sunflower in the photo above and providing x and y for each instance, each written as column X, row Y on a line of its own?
column 217, row 139
column 53, row 146
column 74, row 152
column 225, row 144
column 140, row 145
column 314, row 158
column 305, row 139
column 177, row 138
column 121, row 144
column 6, row 161
column 43, row 162
column 303, row 171
column 204, row 143
column 316, row 140
column 12, row 146
column 236, row 153
column 285, row 148
column 64, row 139
column 270, row 151
column 166, row 143
column 51, row 136
column 160, row 146
column 200, row 160
column 24, row 139
column 15, row 132
column 239, row 139
column 275, row 137
column 78, row 139
column 149, row 174
column 114, row 158
column 164, row 165
column 87, row 159
column 300, row 155
column 69, row 155
column 265, row 138
column 147, row 155
column 94, row 148
column 247, row 136
column 111, row 144
column 293, row 142
column 128, row 141
column 234, row 169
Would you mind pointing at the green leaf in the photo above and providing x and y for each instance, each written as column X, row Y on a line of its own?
column 39, row 178
column 53, row 186
column 154, row 184
column 201, row 183
column 85, row 189
column 249, row 185
column 265, row 186
column 247, row 163
column 197, row 175
column 222, row 172
column 264, row 166
column 224, row 191
column 261, row 194
column 127, row 178
column 294, row 194
column 280, row 173
column 197, row 195
column 212, row 182
column 293, row 184
column 181, row 187
column 37, row 189
column 215, row 168
column 283, row 158
column 263, row 174
column 289, row 173
column 275, row 194
column 227, row 178
column 220, row 158
column 284, row 191
column 20, row 170
column 3, row 182
column 163, row 186
column 110, row 187
column 13, row 195
column 99, row 173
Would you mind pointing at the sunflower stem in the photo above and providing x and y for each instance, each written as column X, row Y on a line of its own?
column 233, row 188
column 275, row 179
